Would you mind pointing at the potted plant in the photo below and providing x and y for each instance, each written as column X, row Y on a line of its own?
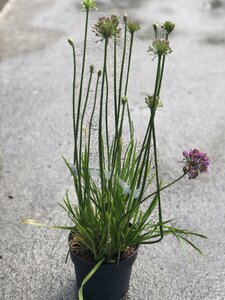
column 109, row 222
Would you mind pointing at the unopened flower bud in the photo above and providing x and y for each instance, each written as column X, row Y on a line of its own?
column 155, row 27
column 151, row 100
column 99, row 73
column 70, row 41
column 124, row 100
column 91, row 68
column 125, row 17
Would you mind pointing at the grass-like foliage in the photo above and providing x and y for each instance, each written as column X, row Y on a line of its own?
column 108, row 216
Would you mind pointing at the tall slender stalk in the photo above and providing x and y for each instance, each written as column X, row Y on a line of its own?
column 126, row 85
column 153, row 110
column 162, row 69
column 115, row 84
column 84, row 109
column 106, row 119
column 91, row 119
column 100, row 133
column 75, row 156
column 163, row 188
column 145, row 160
column 118, row 101
column 73, row 100
column 82, row 77
column 158, row 184
column 146, row 149
column 120, row 141
column 79, row 107
column 122, row 68
column 152, row 194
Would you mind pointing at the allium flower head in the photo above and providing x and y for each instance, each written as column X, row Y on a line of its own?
column 168, row 26
column 88, row 4
column 149, row 100
column 160, row 47
column 195, row 162
column 133, row 27
column 107, row 27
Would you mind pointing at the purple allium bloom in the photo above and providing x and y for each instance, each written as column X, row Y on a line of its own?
column 195, row 162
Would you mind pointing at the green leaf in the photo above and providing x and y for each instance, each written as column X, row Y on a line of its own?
column 90, row 274
column 190, row 243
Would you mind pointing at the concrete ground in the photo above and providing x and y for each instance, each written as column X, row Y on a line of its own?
column 36, row 129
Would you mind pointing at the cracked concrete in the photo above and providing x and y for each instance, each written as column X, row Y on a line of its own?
column 36, row 129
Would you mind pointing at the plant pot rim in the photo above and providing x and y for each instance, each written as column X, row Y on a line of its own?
column 105, row 264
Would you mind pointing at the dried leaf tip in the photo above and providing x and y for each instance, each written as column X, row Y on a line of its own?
column 30, row 222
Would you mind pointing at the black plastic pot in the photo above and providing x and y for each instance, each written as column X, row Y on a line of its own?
column 110, row 282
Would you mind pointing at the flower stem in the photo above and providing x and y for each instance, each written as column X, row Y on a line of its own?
column 84, row 109
column 100, row 138
column 157, row 182
column 163, row 188
column 149, row 130
column 162, row 70
column 115, row 88
column 122, row 69
column 91, row 119
column 79, row 104
column 82, row 77
column 74, row 104
column 126, row 86
column 106, row 118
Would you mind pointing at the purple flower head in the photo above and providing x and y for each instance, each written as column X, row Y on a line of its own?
column 195, row 162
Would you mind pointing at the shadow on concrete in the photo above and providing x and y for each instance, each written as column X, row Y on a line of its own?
column 2, row 3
